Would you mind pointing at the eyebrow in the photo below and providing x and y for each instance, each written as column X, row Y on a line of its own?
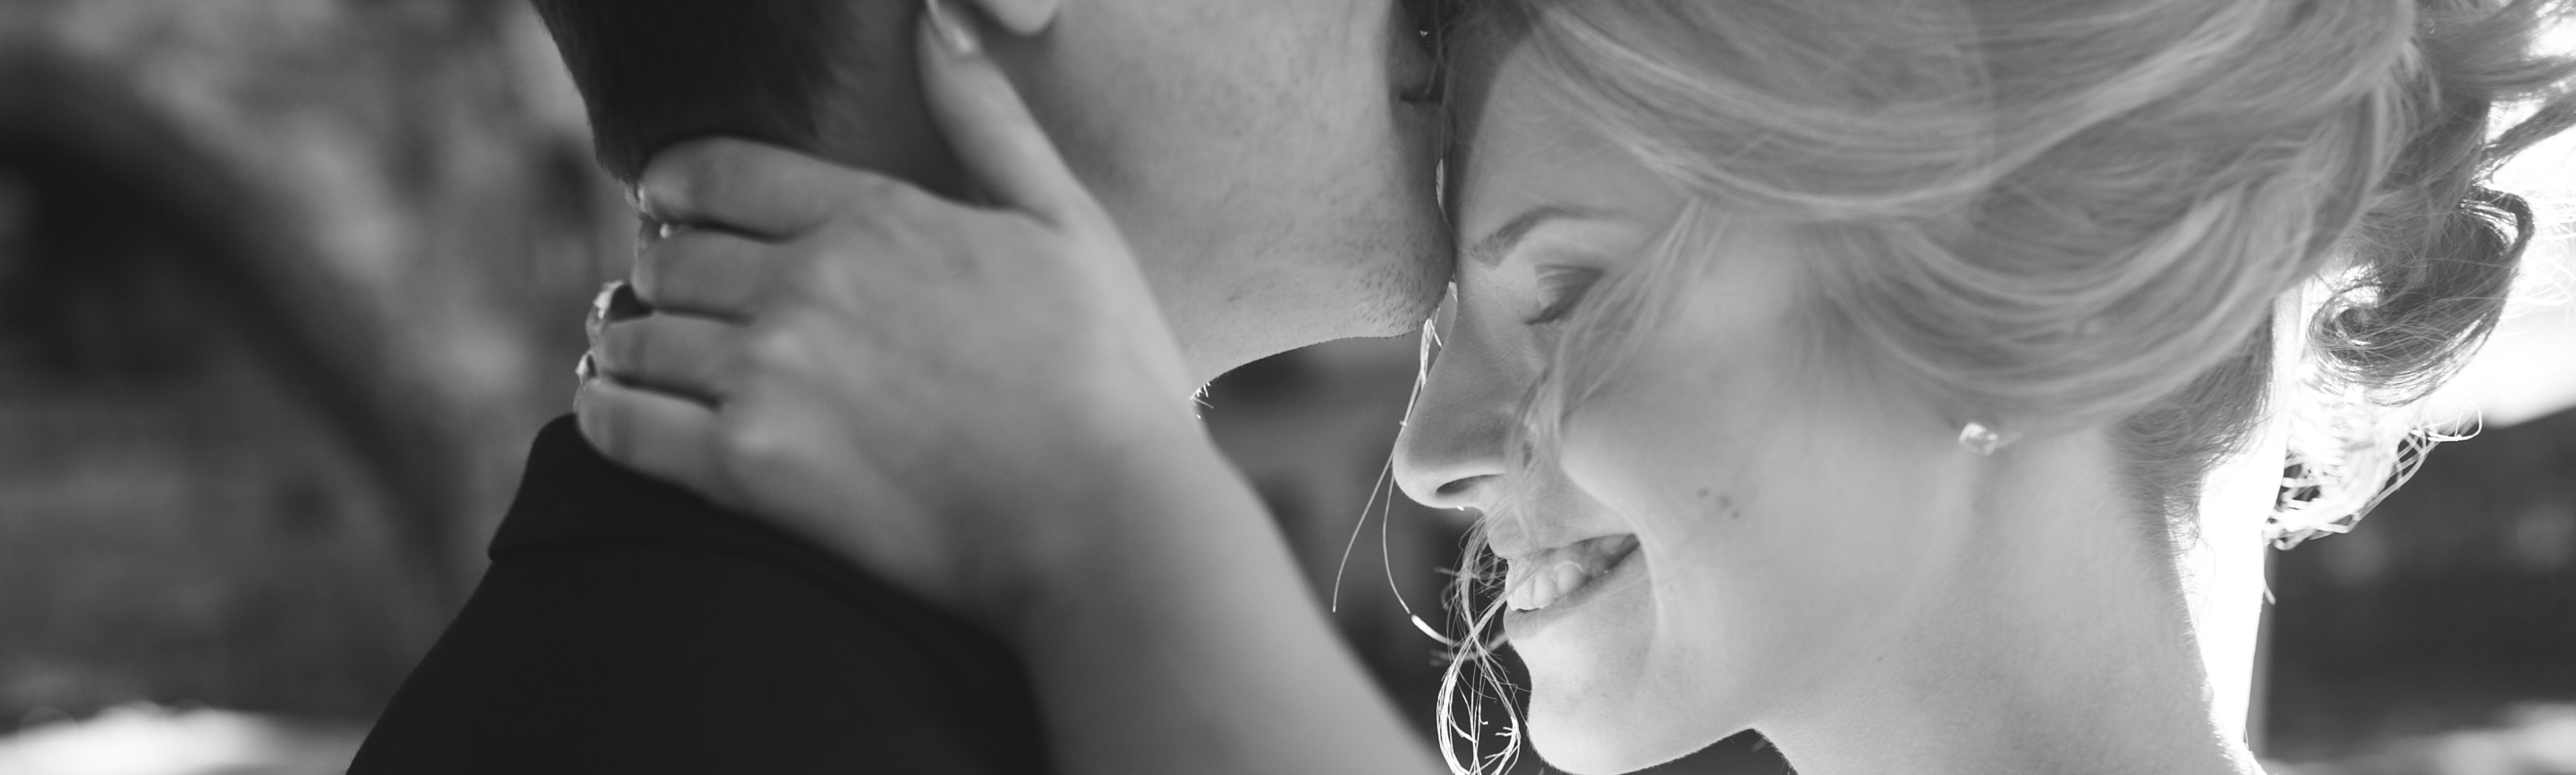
column 1490, row 250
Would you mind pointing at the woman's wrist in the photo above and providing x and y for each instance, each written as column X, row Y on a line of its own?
column 1164, row 513
column 1180, row 608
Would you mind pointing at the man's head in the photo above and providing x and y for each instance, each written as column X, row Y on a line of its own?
column 1269, row 160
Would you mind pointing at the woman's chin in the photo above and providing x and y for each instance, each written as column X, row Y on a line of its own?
column 1604, row 700
column 1577, row 748
column 1593, row 742
column 1597, row 705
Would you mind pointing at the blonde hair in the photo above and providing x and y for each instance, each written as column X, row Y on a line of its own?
column 2056, row 215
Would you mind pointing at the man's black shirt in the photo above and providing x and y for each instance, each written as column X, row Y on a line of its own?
column 629, row 626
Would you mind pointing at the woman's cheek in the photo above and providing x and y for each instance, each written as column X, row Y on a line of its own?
column 1653, row 465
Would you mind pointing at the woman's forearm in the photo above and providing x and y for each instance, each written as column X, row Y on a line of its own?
column 1183, row 640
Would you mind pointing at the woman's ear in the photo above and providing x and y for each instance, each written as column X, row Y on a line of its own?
column 1021, row 18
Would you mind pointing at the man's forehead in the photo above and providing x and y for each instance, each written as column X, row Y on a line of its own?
column 1476, row 57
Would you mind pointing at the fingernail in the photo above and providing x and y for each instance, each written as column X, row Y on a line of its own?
column 586, row 370
column 616, row 301
column 649, row 230
column 597, row 320
column 951, row 28
column 642, row 200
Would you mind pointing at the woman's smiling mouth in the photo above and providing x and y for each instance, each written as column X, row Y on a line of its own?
column 1562, row 576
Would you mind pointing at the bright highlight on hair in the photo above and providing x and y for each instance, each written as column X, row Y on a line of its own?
column 2059, row 215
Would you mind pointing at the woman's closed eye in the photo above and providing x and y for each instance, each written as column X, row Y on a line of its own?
column 1562, row 288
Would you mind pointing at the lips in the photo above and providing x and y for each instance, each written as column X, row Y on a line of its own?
column 1550, row 576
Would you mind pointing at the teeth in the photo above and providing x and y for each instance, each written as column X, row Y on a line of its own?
column 1522, row 592
column 1545, row 589
column 1569, row 577
column 1541, row 589
column 1556, row 573
column 1524, row 596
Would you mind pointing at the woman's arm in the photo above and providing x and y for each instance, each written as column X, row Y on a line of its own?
column 984, row 406
column 1183, row 640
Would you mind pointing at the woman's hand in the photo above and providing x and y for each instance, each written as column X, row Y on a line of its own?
column 927, row 387
column 983, row 405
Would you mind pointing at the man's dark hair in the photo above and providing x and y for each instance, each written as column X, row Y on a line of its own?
column 813, row 75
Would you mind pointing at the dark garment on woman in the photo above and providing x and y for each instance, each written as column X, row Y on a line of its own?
column 629, row 626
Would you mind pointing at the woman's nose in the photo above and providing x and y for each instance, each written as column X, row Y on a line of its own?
column 1451, row 452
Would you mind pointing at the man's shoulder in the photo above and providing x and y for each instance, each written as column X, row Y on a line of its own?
column 575, row 502
column 572, row 496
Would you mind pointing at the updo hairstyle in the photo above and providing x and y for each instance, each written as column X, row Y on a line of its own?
column 2056, row 214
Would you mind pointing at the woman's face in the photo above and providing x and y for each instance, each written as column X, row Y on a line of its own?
column 1783, row 507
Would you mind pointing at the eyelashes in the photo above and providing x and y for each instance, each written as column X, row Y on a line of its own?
column 1564, row 288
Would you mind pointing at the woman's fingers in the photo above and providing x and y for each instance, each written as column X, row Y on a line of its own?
column 1022, row 17
column 682, row 355
column 665, row 436
column 708, row 273
column 741, row 185
column 989, row 126
column 764, row 191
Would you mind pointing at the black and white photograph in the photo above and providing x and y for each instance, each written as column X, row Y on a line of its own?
column 1275, row 387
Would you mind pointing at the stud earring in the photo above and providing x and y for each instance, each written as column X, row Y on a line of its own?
column 1978, row 438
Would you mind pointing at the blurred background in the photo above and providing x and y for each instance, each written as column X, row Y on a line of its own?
column 287, row 286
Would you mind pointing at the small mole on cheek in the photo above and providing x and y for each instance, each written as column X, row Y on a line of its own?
column 1725, row 505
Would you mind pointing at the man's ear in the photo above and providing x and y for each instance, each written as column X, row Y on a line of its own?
column 1021, row 17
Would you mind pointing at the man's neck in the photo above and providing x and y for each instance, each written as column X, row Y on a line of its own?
column 2062, row 646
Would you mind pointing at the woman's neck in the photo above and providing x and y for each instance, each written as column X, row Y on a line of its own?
column 2058, row 643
